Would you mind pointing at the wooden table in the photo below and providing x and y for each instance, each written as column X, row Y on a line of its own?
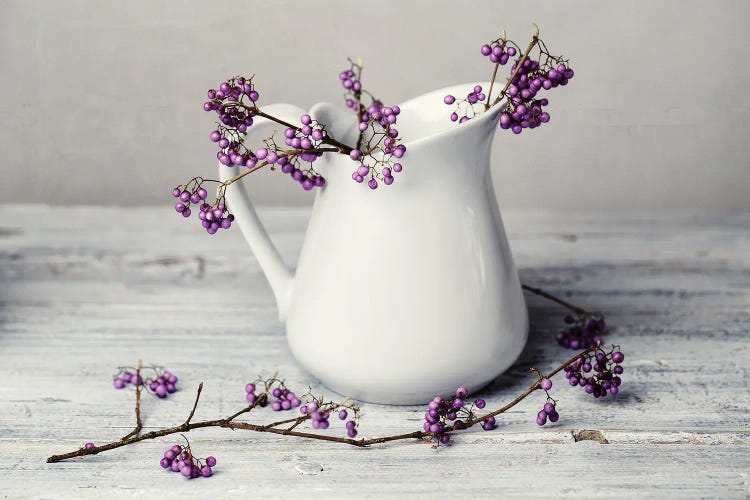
column 87, row 289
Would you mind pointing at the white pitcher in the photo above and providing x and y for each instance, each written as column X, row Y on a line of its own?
column 407, row 291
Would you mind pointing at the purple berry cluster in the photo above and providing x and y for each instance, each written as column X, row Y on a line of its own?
column 230, row 102
column 498, row 51
column 318, row 415
column 125, row 377
column 524, row 110
column 548, row 411
column 349, row 80
column 465, row 106
column 378, row 146
column 212, row 217
column 285, row 399
column 598, row 373
column 443, row 413
column 305, row 138
column 529, row 75
column 180, row 459
column 582, row 331
column 235, row 102
column 315, row 410
column 163, row 384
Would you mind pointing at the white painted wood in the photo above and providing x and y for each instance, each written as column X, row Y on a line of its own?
column 86, row 289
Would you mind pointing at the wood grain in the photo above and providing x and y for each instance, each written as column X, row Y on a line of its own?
column 86, row 289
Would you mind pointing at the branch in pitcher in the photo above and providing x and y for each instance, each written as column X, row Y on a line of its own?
column 595, row 370
column 531, row 73
column 376, row 152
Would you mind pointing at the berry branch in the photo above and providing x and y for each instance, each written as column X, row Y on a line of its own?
column 138, row 422
column 378, row 147
column 318, row 411
column 529, row 75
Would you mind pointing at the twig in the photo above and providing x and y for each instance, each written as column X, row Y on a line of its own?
column 532, row 44
column 195, row 404
column 494, row 75
column 138, row 423
column 548, row 296
column 229, row 423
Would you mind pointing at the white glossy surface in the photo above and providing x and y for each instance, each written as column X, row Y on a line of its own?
column 392, row 283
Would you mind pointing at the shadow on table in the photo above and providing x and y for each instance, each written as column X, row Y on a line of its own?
column 541, row 351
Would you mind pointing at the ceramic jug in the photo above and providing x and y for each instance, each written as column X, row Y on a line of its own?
column 404, row 292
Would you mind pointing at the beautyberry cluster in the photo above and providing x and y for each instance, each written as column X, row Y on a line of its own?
column 125, row 377
column 582, row 331
column 315, row 409
column 498, row 51
column 443, row 413
column 163, row 384
column 285, row 399
column 180, row 459
column 598, row 373
column 548, row 411
column 523, row 109
column 466, row 105
column 307, row 138
column 378, row 146
column 212, row 217
column 318, row 415
column 234, row 103
column 529, row 75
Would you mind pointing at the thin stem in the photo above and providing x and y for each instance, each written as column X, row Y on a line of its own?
column 261, row 397
column 494, row 75
column 345, row 148
column 195, row 404
column 230, row 424
column 358, row 95
column 296, row 420
column 548, row 296
column 532, row 44
column 492, row 83
column 138, row 423
column 291, row 152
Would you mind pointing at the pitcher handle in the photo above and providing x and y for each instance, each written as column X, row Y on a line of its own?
column 277, row 273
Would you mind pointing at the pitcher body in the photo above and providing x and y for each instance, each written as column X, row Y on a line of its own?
column 410, row 291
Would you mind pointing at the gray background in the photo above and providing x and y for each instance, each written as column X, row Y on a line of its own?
column 100, row 101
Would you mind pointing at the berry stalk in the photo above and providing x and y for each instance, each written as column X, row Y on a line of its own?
column 273, row 428
column 519, row 65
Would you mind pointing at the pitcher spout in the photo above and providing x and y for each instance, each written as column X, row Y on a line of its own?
column 425, row 120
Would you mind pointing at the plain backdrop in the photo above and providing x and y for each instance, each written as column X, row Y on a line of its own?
column 100, row 101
